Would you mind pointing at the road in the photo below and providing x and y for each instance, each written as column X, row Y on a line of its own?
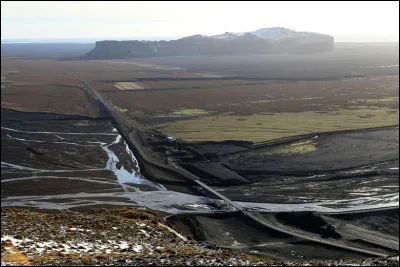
column 269, row 222
column 359, row 211
column 348, row 230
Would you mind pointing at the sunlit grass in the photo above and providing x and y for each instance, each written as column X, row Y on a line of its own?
column 119, row 109
column 290, row 149
column 262, row 127
column 188, row 112
column 14, row 106
column 128, row 86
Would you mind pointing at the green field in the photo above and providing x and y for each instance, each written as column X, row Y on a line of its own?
column 261, row 127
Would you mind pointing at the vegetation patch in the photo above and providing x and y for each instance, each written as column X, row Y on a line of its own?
column 151, row 66
column 189, row 112
column 119, row 109
column 113, row 236
column 375, row 101
column 260, row 127
column 287, row 150
column 12, row 255
column 210, row 75
column 128, row 86
column 383, row 100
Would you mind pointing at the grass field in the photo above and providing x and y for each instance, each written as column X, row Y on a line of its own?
column 260, row 127
column 263, row 97
column 46, row 93
column 188, row 112
column 291, row 149
column 259, row 112
column 194, row 106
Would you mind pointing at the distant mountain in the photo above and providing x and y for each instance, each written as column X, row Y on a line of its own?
column 276, row 33
column 281, row 33
column 262, row 41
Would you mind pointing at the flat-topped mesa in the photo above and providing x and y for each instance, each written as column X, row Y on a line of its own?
column 262, row 41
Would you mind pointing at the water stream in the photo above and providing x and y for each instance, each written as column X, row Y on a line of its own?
column 159, row 198
column 123, row 175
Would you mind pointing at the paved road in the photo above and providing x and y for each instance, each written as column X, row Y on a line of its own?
column 350, row 231
column 270, row 223
column 359, row 211
column 227, row 200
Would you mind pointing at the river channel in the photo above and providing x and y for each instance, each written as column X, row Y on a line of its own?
column 70, row 164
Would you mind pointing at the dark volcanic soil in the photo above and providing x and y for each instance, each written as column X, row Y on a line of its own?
column 76, row 163
column 241, row 233
column 71, row 163
column 333, row 152
column 384, row 221
column 362, row 166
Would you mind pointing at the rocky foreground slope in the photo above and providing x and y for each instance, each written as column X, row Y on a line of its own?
column 262, row 41
column 120, row 236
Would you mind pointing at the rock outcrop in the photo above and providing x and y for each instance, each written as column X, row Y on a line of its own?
column 262, row 41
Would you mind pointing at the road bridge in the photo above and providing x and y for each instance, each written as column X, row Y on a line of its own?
column 271, row 223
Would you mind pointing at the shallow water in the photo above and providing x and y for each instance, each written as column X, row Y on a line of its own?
column 123, row 175
column 115, row 182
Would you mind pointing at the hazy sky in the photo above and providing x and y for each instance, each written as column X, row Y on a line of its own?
column 346, row 21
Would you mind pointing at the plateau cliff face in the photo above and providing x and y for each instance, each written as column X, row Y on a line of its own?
column 262, row 41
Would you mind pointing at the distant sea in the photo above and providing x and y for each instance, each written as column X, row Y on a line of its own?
column 84, row 40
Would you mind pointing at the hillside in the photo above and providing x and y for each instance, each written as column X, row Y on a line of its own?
column 123, row 237
column 262, row 41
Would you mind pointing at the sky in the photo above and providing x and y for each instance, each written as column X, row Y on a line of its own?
column 345, row 20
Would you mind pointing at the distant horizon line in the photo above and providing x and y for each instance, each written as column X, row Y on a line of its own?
column 93, row 41
column 144, row 38
column 87, row 39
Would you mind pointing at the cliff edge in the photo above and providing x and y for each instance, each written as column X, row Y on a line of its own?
column 262, row 41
